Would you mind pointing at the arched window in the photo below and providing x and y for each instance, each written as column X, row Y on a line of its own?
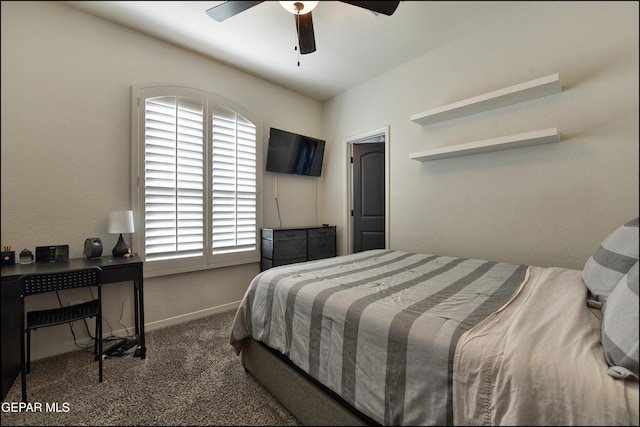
column 195, row 180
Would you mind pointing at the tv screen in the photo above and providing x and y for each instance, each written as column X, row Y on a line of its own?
column 295, row 154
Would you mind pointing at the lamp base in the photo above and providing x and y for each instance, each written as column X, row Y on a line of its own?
column 121, row 248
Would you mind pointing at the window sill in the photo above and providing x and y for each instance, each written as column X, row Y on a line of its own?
column 169, row 271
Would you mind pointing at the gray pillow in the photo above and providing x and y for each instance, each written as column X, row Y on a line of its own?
column 620, row 333
column 612, row 260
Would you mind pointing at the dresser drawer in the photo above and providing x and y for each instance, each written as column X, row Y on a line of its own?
column 295, row 250
column 321, row 232
column 285, row 249
column 321, row 242
column 321, row 247
column 289, row 234
column 284, row 246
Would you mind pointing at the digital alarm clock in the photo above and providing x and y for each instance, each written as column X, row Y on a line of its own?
column 93, row 248
column 52, row 253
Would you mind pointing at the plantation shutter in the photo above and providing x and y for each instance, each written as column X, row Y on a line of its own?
column 234, row 183
column 174, row 178
column 195, row 178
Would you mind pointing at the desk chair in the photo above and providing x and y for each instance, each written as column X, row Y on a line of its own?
column 38, row 283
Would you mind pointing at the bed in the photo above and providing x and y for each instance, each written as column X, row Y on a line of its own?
column 396, row 338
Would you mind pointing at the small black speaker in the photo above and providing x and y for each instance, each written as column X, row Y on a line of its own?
column 93, row 248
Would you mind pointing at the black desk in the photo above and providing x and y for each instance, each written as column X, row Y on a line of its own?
column 113, row 270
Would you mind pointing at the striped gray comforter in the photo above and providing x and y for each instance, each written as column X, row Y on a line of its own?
column 379, row 327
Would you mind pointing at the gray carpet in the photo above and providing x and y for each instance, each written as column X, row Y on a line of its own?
column 190, row 376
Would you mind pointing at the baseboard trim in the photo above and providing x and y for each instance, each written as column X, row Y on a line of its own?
column 176, row 320
column 67, row 346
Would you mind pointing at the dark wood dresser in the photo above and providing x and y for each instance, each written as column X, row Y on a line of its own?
column 280, row 246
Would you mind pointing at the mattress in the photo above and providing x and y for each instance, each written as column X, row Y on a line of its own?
column 418, row 339
column 379, row 328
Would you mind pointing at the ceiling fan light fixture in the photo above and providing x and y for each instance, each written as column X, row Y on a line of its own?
column 298, row 7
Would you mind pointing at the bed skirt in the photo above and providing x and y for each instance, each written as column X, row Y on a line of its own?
column 310, row 402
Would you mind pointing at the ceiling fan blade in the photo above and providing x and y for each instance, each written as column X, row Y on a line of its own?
column 306, row 38
column 230, row 8
column 383, row 7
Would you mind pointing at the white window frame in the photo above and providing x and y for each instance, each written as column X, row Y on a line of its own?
column 207, row 260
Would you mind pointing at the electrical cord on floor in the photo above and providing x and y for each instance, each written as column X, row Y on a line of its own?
column 121, row 315
column 116, row 350
column 121, row 348
column 90, row 346
column 70, row 327
column 124, row 344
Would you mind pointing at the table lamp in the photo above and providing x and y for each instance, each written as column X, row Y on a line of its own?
column 121, row 222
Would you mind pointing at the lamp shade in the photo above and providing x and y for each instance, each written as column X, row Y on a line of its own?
column 121, row 222
column 299, row 7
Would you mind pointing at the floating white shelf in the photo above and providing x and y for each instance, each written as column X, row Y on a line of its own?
column 505, row 142
column 510, row 95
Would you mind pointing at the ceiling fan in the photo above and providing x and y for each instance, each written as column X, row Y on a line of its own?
column 302, row 13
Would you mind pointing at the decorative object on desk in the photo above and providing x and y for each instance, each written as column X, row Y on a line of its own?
column 93, row 248
column 121, row 222
column 26, row 257
column 52, row 253
column 8, row 256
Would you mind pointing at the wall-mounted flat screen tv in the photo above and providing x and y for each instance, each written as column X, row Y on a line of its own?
column 295, row 154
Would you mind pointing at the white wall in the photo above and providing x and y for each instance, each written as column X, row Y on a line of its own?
column 66, row 149
column 548, row 205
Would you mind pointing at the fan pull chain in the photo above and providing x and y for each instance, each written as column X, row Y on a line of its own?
column 297, row 36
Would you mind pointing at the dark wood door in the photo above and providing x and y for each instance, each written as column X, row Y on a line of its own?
column 368, row 197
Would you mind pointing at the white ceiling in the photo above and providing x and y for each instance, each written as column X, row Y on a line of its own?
column 353, row 44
